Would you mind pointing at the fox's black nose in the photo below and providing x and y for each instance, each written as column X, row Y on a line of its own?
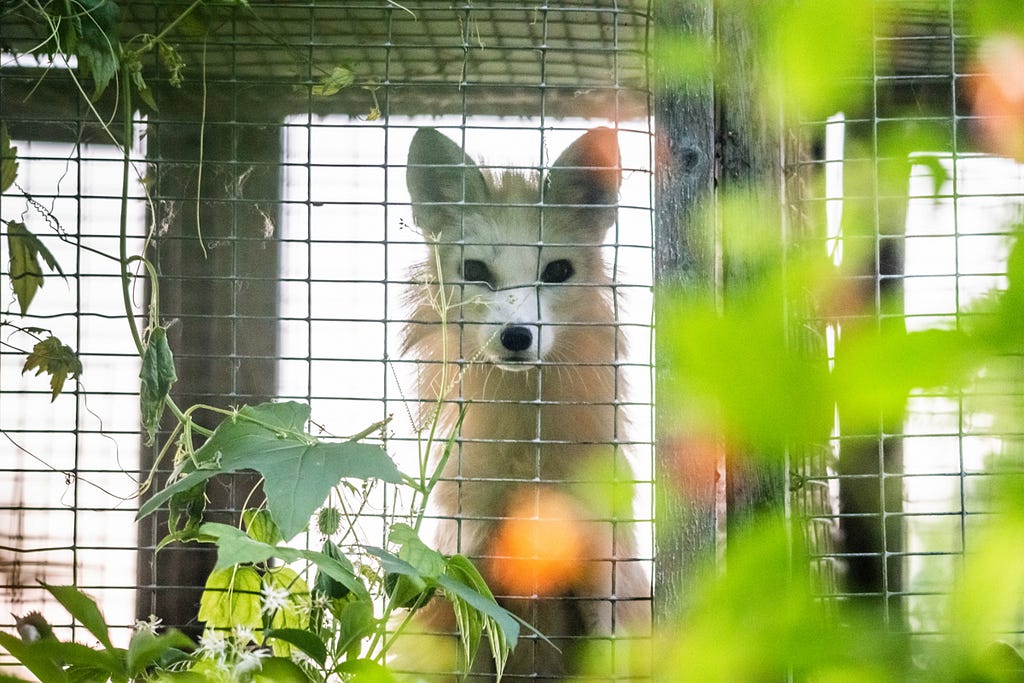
column 516, row 338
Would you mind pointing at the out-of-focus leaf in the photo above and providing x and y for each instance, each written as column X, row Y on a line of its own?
column 26, row 273
column 147, row 648
column 279, row 670
column 57, row 360
column 332, row 83
column 157, row 375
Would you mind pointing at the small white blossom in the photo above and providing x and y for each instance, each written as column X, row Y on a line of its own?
column 248, row 662
column 243, row 635
column 213, row 645
column 274, row 598
column 149, row 626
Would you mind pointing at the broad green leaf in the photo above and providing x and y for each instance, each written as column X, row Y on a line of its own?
column 56, row 359
column 157, row 375
column 8, row 160
column 26, row 273
column 483, row 602
column 426, row 560
column 84, row 609
column 36, row 657
column 231, row 598
column 234, row 546
column 259, row 525
column 299, row 470
column 355, row 623
column 146, row 648
column 301, row 639
column 324, row 584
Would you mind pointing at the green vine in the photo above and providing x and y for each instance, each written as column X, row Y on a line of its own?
column 263, row 618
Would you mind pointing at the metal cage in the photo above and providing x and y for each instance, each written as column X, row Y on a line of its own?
column 270, row 195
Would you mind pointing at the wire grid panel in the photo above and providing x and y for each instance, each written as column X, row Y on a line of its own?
column 353, row 259
column 940, row 234
column 70, row 462
column 288, row 279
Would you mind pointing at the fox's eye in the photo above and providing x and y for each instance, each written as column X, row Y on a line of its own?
column 557, row 271
column 475, row 271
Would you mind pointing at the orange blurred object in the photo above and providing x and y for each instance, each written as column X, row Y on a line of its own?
column 997, row 95
column 540, row 549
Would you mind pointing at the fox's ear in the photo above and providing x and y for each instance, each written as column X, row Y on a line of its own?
column 440, row 177
column 586, row 177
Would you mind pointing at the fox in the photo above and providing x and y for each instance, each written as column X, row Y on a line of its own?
column 513, row 322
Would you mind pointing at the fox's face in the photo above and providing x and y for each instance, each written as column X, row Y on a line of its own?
column 517, row 261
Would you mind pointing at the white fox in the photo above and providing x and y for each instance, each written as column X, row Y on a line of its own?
column 515, row 320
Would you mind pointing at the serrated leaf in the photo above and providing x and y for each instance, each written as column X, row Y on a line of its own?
column 299, row 470
column 98, row 44
column 332, row 83
column 157, row 376
column 146, row 648
column 56, row 359
column 231, row 598
column 84, row 609
column 25, row 272
column 8, row 160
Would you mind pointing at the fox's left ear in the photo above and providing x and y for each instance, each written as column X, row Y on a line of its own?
column 586, row 178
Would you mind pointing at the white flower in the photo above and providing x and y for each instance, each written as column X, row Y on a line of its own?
column 274, row 598
column 249, row 662
column 148, row 626
column 213, row 645
column 243, row 635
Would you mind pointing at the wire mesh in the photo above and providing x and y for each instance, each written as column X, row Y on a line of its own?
column 276, row 212
column 894, row 512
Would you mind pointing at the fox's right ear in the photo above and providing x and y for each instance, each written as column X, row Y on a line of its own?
column 441, row 177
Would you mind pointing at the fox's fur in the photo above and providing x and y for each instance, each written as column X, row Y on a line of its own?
column 529, row 345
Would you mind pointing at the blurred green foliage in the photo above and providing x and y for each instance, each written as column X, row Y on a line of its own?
column 748, row 366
